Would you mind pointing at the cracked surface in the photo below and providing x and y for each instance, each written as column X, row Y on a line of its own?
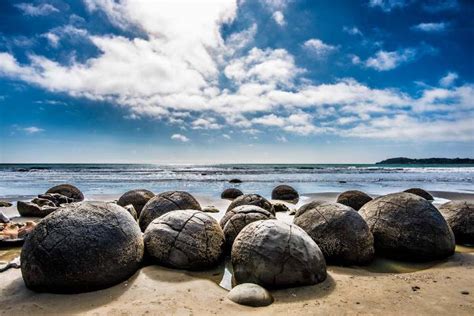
column 460, row 217
column 406, row 226
column 166, row 202
column 353, row 198
column 340, row 232
column 285, row 193
column 252, row 199
column 82, row 247
column 305, row 207
column 29, row 209
column 185, row 239
column 276, row 254
column 138, row 198
column 67, row 190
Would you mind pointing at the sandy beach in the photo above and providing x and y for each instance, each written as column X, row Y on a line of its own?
column 384, row 287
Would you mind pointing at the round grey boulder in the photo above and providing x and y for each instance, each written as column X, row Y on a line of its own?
column 460, row 217
column 239, row 217
column 305, row 207
column 420, row 192
column 353, row 198
column 166, row 202
column 408, row 227
column 252, row 199
column 138, row 198
column 285, row 193
column 250, row 294
column 231, row 193
column 275, row 254
column 185, row 239
column 340, row 232
column 82, row 247
column 69, row 191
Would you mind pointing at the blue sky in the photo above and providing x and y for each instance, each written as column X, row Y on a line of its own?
column 235, row 81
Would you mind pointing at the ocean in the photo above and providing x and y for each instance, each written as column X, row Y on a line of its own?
column 95, row 179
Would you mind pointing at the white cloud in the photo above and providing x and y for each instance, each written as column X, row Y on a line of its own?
column 52, row 38
column 203, row 123
column 383, row 60
column 279, row 18
column 318, row 48
column 388, row 5
column 226, row 136
column 276, row 4
column 449, row 79
column 39, row 10
column 180, row 138
column 282, row 139
column 352, row 30
column 32, row 130
column 431, row 27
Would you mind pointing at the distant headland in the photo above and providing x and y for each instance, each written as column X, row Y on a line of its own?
column 425, row 161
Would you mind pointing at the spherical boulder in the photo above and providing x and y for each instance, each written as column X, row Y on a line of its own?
column 460, row 217
column 276, row 254
column 340, row 232
column 82, row 247
column 252, row 199
column 239, row 217
column 353, row 198
column 69, row 191
column 408, row 227
column 285, row 193
column 250, row 294
column 185, row 239
column 138, row 198
column 231, row 193
column 420, row 192
column 305, row 207
column 166, row 202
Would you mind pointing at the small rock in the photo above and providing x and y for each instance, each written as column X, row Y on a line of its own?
column 5, row 204
column 3, row 218
column 280, row 207
column 464, row 292
column 210, row 209
column 415, row 288
column 235, row 181
column 250, row 294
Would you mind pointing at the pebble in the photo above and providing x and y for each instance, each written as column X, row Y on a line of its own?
column 250, row 294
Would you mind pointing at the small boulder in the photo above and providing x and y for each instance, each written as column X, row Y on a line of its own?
column 131, row 210
column 231, row 193
column 275, row 254
column 185, row 239
column 250, row 294
column 5, row 204
column 280, row 207
column 420, row 192
column 285, row 193
column 56, row 198
column 235, row 181
column 353, row 198
column 68, row 190
column 252, row 199
column 408, row 227
column 305, row 207
column 43, row 202
column 210, row 209
column 340, row 232
column 460, row 217
column 29, row 209
column 4, row 219
column 239, row 217
column 166, row 202
column 82, row 247
column 138, row 198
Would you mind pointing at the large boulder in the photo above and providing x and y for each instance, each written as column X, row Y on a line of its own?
column 68, row 190
column 138, row 198
column 408, row 227
column 273, row 253
column 250, row 294
column 252, row 199
column 305, row 207
column 231, row 193
column 239, row 217
column 185, row 239
column 82, row 247
column 420, row 192
column 353, row 198
column 340, row 232
column 285, row 193
column 29, row 209
column 166, row 202
column 460, row 217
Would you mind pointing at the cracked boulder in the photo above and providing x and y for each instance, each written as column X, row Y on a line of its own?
column 252, row 199
column 30, row 209
column 285, row 193
column 82, row 247
column 275, row 254
column 305, row 207
column 166, row 202
column 185, row 239
column 56, row 198
column 408, row 227
column 460, row 217
column 231, row 193
column 353, row 198
column 68, row 190
column 340, row 232
column 420, row 192
column 138, row 198
column 239, row 217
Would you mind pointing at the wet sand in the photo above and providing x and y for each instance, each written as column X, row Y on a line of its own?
column 385, row 287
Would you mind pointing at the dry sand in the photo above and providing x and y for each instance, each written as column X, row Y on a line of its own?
column 445, row 287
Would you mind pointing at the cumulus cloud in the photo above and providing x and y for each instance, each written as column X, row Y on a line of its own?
column 352, row 30
column 38, row 10
column 383, row 60
column 180, row 138
column 388, row 5
column 449, row 79
column 279, row 18
column 206, row 123
column 318, row 48
column 431, row 27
